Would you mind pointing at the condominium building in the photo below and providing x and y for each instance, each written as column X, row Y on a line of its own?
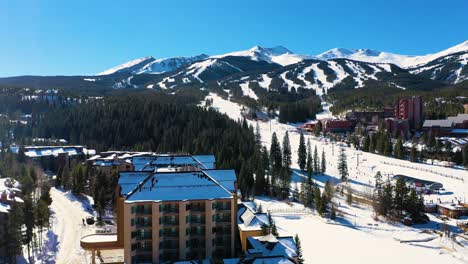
column 171, row 207
column 410, row 109
column 177, row 215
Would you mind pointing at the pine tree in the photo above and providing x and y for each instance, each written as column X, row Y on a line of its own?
column 246, row 181
column 274, row 230
column 13, row 232
column 29, row 222
column 300, row 258
column 413, row 154
column 342, row 165
column 318, row 201
column 286, row 151
column 260, row 209
column 285, row 183
column 309, row 164
column 401, row 192
column 323, row 168
column 399, row 150
column 316, row 161
column 42, row 216
column 260, row 182
column 302, row 153
column 366, row 144
column 275, row 154
column 328, row 192
column 258, row 136
column 388, row 147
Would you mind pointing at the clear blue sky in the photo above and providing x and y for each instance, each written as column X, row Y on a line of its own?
column 60, row 37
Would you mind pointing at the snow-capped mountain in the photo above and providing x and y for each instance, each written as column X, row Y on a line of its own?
column 151, row 65
column 278, row 54
column 334, row 68
column 451, row 68
column 403, row 61
column 169, row 64
column 320, row 76
column 130, row 66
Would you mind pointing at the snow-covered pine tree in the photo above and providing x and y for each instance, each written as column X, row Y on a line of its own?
column 302, row 153
column 343, row 165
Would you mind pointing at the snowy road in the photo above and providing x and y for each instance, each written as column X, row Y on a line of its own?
column 68, row 212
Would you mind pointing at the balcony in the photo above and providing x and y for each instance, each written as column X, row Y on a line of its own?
column 195, row 207
column 145, row 237
column 168, row 210
column 222, row 220
column 168, row 235
column 222, row 230
column 140, row 224
column 167, row 245
column 169, row 223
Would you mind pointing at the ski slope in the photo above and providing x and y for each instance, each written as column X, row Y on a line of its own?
column 345, row 241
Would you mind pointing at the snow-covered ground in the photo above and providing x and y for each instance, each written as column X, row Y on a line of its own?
column 357, row 237
column 68, row 212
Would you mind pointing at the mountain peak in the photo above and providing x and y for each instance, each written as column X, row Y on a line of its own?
column 276, row 50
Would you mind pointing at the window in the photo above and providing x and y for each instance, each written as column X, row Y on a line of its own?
column 132, row 222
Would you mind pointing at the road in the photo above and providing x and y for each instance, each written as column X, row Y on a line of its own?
column 68, row 213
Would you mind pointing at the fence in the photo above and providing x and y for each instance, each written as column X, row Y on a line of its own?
column 424, row 169
column 290, row 211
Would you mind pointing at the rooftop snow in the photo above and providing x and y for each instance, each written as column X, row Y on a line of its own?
column 179, row 186
column 269, row 245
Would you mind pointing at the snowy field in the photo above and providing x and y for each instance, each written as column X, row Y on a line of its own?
column 355, row 237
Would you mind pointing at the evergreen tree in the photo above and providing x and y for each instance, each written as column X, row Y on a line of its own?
column 29, row 222
column 309, row 164
column 307, row 191
column 274, row 230
column 343, row 165
column 260, row 182
column 318, row 201
column 328, row 192
column 275, row 154
column 13, row 234
column 316, row 161
column 324, row 162
column 413, row 154
column 42, row 216
column 366, row 144
column 399, row 150
column 300, row 258
column 286, row 151
column 258, row 136
column 246, row 181
column 302, row 153
column 401, row 192
column 285, row 183
column 388, row 146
